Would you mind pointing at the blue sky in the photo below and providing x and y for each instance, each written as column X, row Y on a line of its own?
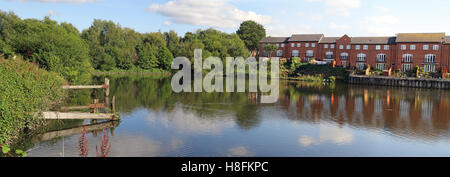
column 281, row 18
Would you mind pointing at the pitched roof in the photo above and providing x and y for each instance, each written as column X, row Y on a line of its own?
column 274, row 39
column 328, row 40
column 373, row 40
column 447, row 39
column 420, row 37
column 306, row 38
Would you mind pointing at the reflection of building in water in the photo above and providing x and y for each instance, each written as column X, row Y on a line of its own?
column 406, row 112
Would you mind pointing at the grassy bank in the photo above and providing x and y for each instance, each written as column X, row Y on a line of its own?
column 24, row 90
column 132, row 71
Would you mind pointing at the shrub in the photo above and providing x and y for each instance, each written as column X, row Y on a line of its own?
column 25, row 90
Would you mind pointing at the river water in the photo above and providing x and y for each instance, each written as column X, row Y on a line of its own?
column 308, row 120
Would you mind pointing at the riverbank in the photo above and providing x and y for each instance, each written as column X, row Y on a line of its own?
column 400, row 82
column 24, row 90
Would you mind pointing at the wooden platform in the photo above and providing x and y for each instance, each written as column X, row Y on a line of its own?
column 77, row 115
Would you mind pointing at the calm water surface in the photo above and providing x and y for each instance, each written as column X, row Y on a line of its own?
column 308, row 120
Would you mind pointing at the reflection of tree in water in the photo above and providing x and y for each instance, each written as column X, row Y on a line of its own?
column 155, row 93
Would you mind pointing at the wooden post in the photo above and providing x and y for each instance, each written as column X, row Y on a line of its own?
column 107, row 91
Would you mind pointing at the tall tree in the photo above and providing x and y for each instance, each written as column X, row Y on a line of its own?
column 251, row 33
column 270, row 48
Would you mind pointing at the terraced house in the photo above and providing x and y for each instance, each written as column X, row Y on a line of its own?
column 404, row 51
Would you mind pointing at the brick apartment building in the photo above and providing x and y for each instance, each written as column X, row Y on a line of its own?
column 405, row 51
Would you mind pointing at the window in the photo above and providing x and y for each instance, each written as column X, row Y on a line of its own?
column 332, row 46
column 386, row 47
column 358, row 47
column 344, row 56
column 406, row 67
column 407, row 58
column 309, row 53
column 378, row 47
column 344, row 64
column 325, row 46
column 278, row 45
column 366, row 47
column 349, row 47
column 279, row 53
column 430, row 58
column 430, row 68
column 299, row 44
column 381, row 66
column 361, row 66
column 426, row 47
column 313, row 45
column 292, row 45
column 295, row 53
column 307, row 45
column 412, row 47
column 435, row 47
column 403, row 47
column 329, row 55
column 381, row 57
column 341, row 47
column 282, row 45
column 361, row 57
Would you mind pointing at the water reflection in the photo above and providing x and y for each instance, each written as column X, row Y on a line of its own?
column 308, row 120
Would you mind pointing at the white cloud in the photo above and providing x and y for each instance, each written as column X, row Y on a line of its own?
column 328, row 134
column 380, row 25
column 337, row 27
column 212, row 13
column 342, row 7
column 167, row 23
column 240, row 151
column 286, row 30
column 58, row 1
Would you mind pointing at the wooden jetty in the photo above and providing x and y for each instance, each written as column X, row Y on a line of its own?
column 94, row 115
column 78, row 130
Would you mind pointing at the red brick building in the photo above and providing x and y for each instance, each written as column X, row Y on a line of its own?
column 405, row 51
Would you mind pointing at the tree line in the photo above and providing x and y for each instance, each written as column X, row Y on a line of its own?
column 107, row 46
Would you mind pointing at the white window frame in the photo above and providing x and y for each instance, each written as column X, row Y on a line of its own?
column 435, row 47
column 306, row 44
column 366, row 47
column 360, row 65
column 278, row 45
column 344, row 56
column 361, row 57
column 430, row 58
column 282, row 45
column 332, row 46
column 299, row 45
column 341, row 47
column 313, row 45
column 358, row 47
column 426, row 47
column 381, row 66
column 386, row 47
column 406, row 67
column 378, row 47
column 407, row 58
column 310, row 53
column 325, row 46
column 381, row 57
column 295, row 55
column 279, row 53
column 412, row 47
column 349, row 47
column 429, row 68
column 328, row 54
column 293, row 45
column 403, row 47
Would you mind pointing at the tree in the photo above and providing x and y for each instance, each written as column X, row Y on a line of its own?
column 147, row 56
column 251, row 33
column 165, row 58
column 270, row 48
column 173, row 43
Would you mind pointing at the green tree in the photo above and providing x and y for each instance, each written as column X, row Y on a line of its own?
column 251, row 33
column 147, row 56
column 173, row 43
column 165, row 58
column 270, row 48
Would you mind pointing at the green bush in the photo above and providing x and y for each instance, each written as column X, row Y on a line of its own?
column 25, row 90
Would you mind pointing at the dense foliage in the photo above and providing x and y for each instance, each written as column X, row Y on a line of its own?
column 55, row 47
column 24, row 90
column 251, row 33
